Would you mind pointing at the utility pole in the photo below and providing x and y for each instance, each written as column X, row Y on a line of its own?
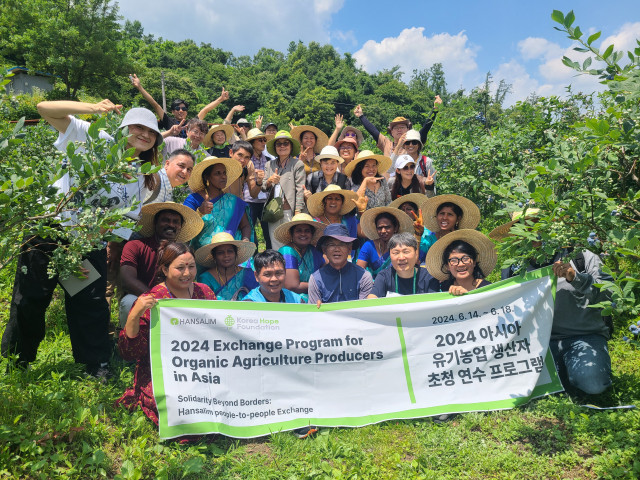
column 164, row 98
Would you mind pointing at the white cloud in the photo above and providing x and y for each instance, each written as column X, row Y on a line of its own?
column 534, row 48
column 624, row 39
column 413, row 50
column 241, row 27
column 346, row 38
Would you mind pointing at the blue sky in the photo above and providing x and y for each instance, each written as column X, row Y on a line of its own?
column 514, row 40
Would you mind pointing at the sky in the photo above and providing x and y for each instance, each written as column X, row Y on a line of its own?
column 514, row 40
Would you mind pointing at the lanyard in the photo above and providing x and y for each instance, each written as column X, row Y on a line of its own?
column 414, row 281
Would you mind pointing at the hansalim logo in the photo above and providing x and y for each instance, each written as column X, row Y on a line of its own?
column 174, row 321
column 229, row 321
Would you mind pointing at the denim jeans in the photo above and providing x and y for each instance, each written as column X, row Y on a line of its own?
column 583, row 361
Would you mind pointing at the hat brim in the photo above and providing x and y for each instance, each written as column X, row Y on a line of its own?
column 228, row 132
column 359, row 136
column 470, row 212
column 327, row 156
column 368, row 219
column 315, row 207
column 420, row 199
column 321, row 138
column 204, row 255
column 283, row 232
column 503, row 231
column 234, row 170
column 384, row 164
column 342, row 238
column 271, row 147
column 487, row 256
column 191, row 222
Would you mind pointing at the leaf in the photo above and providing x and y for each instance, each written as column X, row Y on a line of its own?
column 581, row 49
column 607, row 52
column 577, row 33
column 18, row 126
column 557, row 16
column 193, row 465
column 569, row 19
column 586, row 64
column 593, row 38
column 532, row 186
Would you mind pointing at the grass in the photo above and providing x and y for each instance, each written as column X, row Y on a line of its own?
column 57, row 423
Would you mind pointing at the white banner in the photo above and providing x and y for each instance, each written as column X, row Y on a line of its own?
column 248, row 369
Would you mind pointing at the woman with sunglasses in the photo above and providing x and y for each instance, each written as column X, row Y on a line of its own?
column 410, row 144
column 405, row 180
column 461, row 261
column 366, row 173
column 285, row 176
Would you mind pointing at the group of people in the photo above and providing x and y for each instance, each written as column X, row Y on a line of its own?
column 339, row 224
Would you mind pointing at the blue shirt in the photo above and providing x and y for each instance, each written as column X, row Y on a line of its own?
column 255, row 295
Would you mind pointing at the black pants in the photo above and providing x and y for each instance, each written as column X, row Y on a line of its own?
column 255, row 209
column 88, row 314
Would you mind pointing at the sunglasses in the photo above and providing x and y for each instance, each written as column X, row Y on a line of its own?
column 263, row 140
column 412, row 142
column 184, row 109
column 350, row 134
column 244, row 125
column 408, row 167
column 282, row 144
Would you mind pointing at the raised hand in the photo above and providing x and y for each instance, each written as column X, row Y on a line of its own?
column 306, row 193
column 291, row 125
column 304, row 155
column 259, row 122
column 418, row 222
column 238, row 108
column 224, row 96
column 259, row 176
column 339, row 121
column 361, row 203
column 400, row 144
column 274, row 179
column 135, row 81
column 206, row 207
column 176, row 128
column 358, row 111
column 371, row 181
column 106, row 105
column 437, row 102
column 429, row 179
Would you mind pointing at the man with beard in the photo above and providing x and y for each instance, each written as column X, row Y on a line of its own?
column 161, row 223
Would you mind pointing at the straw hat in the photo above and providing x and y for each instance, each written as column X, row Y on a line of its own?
column 256, row 133
column 487, row 256
column 234, row 170
column 359, row 136
column 397, row 121
column 283, row 232
column 321, row 138
column 368, row 221
column 208, row 138
column 502, row 231
column 204, row 255
column 191, row 222
column 329, row 152
column 420, row 199
column 384, row 163
column 271, row 147
column 316, row 208
column 470, row 211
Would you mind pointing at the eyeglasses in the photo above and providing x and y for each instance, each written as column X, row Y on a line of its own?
column 350, row 134
column 184, row 109
column 409, row 167
column 347, row 147
column 464, row 260
column 244, row 125
column 282, row 144
column 264, row 140
column 412, row 142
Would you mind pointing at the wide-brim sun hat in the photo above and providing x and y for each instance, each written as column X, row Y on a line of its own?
column 414, row 135
column 204, row 255
column 384, row 163
column 368, row 221
column 283, row 232
column 191, row 222
column 234, row 170
column 283, row 134
column 502, row 231
column 329, row 152
column 256, row 133
column 144, row 117
column 359, row 137
column 228, row 133
column 337, row 231
column 321, row 138
column 397, row 121
column 470, row 212
column 316, row 207
column 487, row 256
column 419, row 199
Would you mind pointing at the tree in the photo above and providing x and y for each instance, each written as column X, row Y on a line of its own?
column 79, row 41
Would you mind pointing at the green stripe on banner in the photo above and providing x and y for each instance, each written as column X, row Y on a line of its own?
column 407, row 372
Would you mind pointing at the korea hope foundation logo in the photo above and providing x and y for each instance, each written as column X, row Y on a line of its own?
column 229, row 321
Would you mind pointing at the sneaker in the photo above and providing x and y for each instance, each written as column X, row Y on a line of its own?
column 305, row 432
column 100, row 372
column 443, row 418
